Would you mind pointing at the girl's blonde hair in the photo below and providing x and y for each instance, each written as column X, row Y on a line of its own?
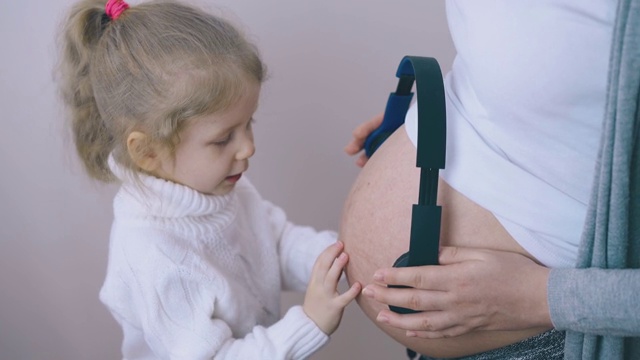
column 155, row 66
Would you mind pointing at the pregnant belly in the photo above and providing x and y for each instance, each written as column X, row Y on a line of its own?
column 375, row 229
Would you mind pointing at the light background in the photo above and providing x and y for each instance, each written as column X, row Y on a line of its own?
column 331, row 65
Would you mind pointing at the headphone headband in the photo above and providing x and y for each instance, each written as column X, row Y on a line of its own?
column 426, row 73
column 431, row 109
column 431, row 150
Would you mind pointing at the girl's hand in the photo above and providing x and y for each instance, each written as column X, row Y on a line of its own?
column 360, row 135
column 472, row 289
column 322, row 302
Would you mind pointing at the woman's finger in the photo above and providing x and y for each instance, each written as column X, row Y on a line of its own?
column 362, row 160
column 431, row 277
column 452, row 254
column 408, row 298
column 353, row 147
column 446, row 333
column 363, row 130
column 426, row 324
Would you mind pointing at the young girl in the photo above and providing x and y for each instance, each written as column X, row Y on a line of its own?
column 162, row 97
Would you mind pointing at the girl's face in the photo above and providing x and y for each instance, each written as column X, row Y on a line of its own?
column 214, row 150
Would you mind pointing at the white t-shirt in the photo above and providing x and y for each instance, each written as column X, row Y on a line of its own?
column 525, row 105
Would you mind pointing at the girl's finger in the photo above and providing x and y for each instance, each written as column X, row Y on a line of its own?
column 326, row 259
column 348, row 296
column 334, row 273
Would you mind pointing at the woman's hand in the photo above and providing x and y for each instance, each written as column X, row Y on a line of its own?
column 360, row 134
column 322, row 302
column 471, row 289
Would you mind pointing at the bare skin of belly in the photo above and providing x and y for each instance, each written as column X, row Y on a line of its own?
column 375, row 229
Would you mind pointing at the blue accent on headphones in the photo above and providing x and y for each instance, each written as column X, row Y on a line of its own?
column 397, row 106
column 426, row 215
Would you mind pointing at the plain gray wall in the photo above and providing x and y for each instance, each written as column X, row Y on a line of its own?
column 331, row 65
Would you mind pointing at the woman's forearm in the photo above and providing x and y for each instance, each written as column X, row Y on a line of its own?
column 595, row 301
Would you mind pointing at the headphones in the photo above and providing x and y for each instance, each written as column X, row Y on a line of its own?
column 426, row 215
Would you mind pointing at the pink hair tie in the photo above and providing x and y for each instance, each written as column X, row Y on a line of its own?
column 115, row 8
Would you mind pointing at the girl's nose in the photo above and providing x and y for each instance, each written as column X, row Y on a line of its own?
column 247, row 149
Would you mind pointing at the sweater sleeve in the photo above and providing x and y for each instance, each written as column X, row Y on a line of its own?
column 178, row 317
column 298, row 248
column 295, row 336
column 595, row 301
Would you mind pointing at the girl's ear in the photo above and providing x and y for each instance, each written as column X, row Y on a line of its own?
column 142, row 151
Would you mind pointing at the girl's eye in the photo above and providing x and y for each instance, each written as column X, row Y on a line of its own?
column 227, row 139
column 222, row 142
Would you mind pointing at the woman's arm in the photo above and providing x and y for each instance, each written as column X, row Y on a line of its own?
column 595, row 301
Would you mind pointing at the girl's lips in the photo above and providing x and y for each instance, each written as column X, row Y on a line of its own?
column 234, row 178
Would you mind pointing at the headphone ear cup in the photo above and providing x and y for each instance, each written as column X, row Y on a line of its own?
column 375, row 140
column 402, row 261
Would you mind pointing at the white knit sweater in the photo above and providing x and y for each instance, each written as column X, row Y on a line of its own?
column 193, row 276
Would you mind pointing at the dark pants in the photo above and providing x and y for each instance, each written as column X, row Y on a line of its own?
column 546, row 346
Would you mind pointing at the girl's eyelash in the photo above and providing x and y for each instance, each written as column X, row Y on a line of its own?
column 224, row 141
column 227, row 139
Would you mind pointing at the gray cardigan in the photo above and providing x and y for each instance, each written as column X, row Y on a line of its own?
column 598, row 303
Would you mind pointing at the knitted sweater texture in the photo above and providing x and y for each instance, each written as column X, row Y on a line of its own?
column 192, row 276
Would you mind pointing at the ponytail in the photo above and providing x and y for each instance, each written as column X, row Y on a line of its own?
column 83, row 29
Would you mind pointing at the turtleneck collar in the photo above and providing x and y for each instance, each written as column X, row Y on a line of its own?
column 161, row 198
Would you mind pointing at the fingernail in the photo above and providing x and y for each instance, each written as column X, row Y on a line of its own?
column 383, row 319
column 367, row 292
column 378, row 276
column 411, row 334
column 342, row 256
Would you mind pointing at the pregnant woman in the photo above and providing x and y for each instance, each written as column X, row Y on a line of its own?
column 525, row 101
